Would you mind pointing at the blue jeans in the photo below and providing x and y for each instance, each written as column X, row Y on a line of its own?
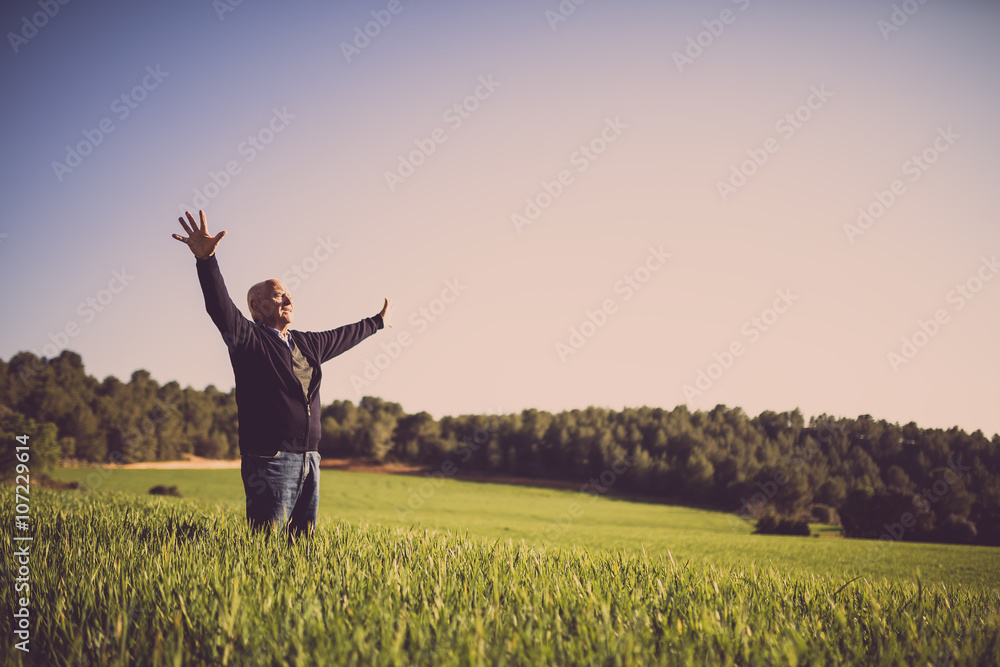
column 282, row 490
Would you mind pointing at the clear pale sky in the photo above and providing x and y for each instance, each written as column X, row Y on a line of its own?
column 722, row 178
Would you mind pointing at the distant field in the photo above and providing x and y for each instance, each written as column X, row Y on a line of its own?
column 545, row 517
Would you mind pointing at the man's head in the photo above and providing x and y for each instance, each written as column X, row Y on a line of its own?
column 271, row 303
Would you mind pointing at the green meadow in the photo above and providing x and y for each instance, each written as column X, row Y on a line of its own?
column 124, row 579
column 546, row 518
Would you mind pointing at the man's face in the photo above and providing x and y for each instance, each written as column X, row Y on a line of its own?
column 275, row 305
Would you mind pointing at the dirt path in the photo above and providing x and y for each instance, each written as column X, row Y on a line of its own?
column 190, row 463
column 199, row 463
column 351, row 465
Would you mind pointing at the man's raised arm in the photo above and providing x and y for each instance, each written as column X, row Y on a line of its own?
column 231, row 323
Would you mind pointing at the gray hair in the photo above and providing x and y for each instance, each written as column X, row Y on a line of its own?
column 258, row 292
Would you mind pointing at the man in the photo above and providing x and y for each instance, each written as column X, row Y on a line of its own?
column 278, row 374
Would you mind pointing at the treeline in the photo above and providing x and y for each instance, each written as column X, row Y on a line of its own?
column 111, row 421
column 879, row 479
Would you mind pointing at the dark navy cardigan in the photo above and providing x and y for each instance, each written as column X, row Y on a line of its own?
column 274, row 415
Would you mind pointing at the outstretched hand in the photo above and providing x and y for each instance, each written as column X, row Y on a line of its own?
column 386, row 310
column 201, row 243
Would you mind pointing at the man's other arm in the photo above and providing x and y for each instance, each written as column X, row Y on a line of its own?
column 337, row 341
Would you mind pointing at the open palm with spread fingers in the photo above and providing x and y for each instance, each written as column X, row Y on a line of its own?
column 202, row 243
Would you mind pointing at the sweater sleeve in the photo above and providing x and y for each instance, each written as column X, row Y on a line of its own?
column 234, row 327
column 331, row 343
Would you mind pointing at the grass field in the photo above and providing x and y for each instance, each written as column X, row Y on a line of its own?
column 545, row 517
column 122, row 579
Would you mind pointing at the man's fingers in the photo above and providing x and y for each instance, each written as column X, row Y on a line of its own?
column 184, row 224
column 202, row 213
column 386, row 310
column 179, row 238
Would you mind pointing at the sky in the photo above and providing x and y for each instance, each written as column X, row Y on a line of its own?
column 770, row 205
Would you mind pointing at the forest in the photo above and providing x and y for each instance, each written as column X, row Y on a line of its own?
column 877, row 479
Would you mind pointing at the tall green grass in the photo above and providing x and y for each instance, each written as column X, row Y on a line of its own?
column 541, row 517
column 122, row 579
